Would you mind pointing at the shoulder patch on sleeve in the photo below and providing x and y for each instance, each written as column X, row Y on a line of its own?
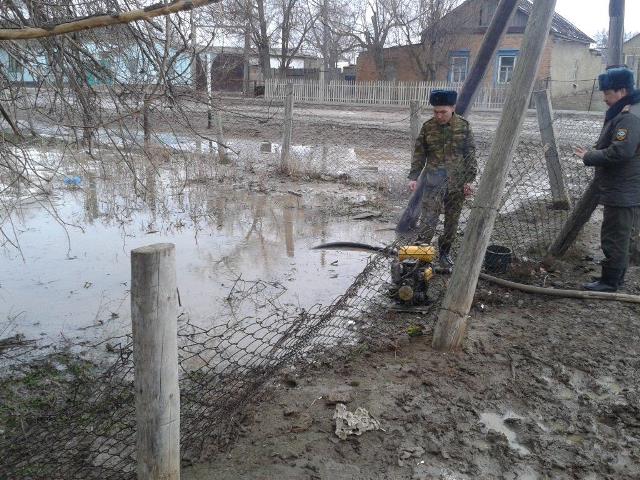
column 621, row 134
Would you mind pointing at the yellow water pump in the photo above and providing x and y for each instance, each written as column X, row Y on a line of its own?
column 411, row 268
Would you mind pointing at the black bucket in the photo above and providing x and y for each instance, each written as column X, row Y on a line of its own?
column 497, row 259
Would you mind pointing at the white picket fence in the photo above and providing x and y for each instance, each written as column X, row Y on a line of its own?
column 376, row 93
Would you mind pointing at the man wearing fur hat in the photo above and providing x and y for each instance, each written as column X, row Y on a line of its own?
column 616, row 157
column 446, row 149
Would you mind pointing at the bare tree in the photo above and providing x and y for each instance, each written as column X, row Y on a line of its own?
column 296, row 21
column 421, row 24
column 87, row 86
column 375, row 21
column 262, row 39
column 325, row 37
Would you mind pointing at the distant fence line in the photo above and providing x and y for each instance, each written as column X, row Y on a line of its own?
column 376, row 93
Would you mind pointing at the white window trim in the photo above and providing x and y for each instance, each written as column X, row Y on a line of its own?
column 452, row 71
column 498, row 79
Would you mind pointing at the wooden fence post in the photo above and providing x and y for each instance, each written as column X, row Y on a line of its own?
column 285, row 166
column 155, row 353
column 414, row 122
column 545, row 122
column 222, row 150
column 321, row 85
column 452, row 321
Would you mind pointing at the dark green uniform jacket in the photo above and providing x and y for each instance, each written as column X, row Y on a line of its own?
column 617, row 156
column 449, row 146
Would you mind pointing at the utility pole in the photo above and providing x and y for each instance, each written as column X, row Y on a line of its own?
column 616, row 33
column 589, row 201
column 453, row 316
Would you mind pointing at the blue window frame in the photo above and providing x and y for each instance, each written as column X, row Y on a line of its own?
column 505, row 65
column 458, row 66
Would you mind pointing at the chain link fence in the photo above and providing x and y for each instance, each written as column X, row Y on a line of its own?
column 64, row 416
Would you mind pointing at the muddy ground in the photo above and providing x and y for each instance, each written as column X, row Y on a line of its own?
column 545, row 388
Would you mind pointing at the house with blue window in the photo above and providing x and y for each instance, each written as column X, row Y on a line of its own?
column 568, row 68
column 107, row 61
column 120, row 60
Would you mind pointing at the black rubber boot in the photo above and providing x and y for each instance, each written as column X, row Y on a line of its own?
column 608, row 282
column 621, row 277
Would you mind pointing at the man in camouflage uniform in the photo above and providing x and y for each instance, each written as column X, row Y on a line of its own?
column 616, row 157
column 446, row 149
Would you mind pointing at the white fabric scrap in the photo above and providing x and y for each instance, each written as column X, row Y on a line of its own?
column 356, row 423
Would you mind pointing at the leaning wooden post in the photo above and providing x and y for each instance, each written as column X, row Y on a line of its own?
column 414, row 121
column 579, row 216
column 490, row 42
column 155, row 354
column 285, row 167
column 451, row 326
column 545, row 122
column 589, row 201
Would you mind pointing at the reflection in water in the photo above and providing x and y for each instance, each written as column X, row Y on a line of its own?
column 91, row 199
column 288, row 231
column 221, row 234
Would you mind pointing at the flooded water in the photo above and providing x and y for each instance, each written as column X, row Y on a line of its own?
column 70, row 279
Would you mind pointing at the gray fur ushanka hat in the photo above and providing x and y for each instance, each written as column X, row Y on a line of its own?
column 439, row 98
column 616, row 78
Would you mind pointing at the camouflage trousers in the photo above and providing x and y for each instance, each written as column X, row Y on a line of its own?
column 440, row 197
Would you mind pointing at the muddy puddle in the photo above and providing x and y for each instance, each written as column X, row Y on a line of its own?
column 69, row 281
column 384, row 168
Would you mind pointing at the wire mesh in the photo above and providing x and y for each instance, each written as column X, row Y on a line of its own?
column 159, row 154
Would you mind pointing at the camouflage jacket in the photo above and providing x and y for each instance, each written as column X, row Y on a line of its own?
column 449, row 146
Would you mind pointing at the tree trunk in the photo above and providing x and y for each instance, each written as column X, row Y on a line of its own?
column 263, row 43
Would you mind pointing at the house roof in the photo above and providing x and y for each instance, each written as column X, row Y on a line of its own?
column 560, row 26
column 633, row 38
column 233, row 50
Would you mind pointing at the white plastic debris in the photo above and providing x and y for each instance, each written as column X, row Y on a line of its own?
column 356, row 423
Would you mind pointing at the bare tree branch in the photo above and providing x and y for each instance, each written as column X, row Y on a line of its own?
column 102, row 20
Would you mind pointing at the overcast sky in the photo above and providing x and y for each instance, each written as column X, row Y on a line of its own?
column 591, row 16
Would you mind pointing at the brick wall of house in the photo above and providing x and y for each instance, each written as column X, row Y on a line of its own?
column 407, row 70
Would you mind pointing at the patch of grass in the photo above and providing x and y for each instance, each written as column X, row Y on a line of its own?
column 37, row 389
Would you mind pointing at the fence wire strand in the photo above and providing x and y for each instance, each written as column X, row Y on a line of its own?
column 83, row 426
